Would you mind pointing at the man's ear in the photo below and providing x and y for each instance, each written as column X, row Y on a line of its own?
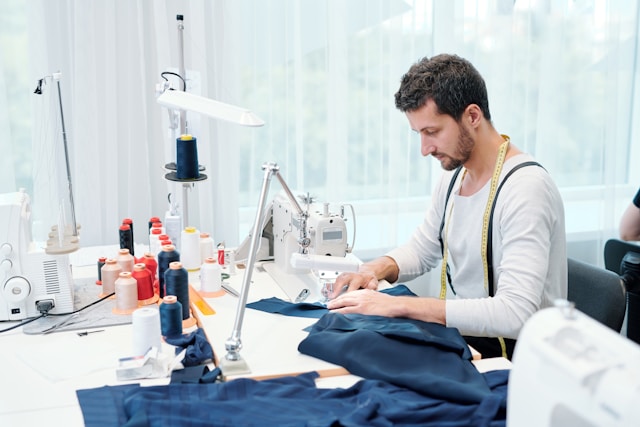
column 473, row 115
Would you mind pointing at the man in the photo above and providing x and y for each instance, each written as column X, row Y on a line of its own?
column 630, row 221
column 498, row 271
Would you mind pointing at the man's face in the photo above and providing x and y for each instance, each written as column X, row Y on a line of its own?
column 441, row 136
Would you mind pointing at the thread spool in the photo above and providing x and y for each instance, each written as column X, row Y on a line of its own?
column 176, row 280
column 206, row 247
column 190, row 253
column 110, row 272
column 144, row 281
column 152, row 220
column 154, row 242
column 166, row 256
column 100, row 264
column 187, row 159
column 149, row 260
column 126, row 294
column 221, row 253
column 124, row 233
column 130, row 236
column 211, row 278
column 157, row 226
column 170, row 316
column 146, row 330
column 126, row 260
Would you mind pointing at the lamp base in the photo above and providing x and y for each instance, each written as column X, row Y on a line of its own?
column 234, row 367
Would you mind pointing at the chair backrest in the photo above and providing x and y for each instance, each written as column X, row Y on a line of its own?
column 614, row 252
column 597, row 292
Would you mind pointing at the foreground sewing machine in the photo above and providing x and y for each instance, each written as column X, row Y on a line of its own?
column 31, row 279
column 570, row 370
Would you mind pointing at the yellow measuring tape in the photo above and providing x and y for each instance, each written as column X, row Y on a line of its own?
column 502, row 153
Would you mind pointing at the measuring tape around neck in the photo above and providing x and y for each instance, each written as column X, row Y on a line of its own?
column 502, row 153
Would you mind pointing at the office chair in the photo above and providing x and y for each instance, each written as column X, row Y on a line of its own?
column 614, row 252
column 623, row 258
column 597, row 292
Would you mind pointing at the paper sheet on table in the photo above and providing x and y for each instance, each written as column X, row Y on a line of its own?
column 67, row 357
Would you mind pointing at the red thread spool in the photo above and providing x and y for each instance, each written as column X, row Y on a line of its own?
column 143, row 277
column 150, row 261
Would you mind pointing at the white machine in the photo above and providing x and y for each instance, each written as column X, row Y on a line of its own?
column 320, row 233
column 30, row 278
column 570, row 370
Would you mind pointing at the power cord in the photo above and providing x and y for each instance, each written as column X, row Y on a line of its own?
column 44, row 307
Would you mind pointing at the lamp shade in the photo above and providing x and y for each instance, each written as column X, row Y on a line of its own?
column 180, row 100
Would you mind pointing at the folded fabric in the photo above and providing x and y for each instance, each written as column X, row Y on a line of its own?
column 287, row 401
column 198, row 348
column 312, row 310
column 428, row 358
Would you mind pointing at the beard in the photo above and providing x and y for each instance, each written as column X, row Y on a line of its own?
column 463, row 151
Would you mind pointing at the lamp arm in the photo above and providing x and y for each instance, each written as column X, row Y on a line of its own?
column 303, row 241
column 234, row 343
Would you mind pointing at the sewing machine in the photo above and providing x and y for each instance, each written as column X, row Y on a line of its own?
column 308, row 250
column 570, row 370
column 31, row 279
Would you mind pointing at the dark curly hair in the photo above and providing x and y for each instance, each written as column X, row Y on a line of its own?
column 452, row 82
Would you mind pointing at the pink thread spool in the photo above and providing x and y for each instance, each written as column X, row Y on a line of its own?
column 126, row 260
column 126, row 294
column 110, row 272
column 144, row 281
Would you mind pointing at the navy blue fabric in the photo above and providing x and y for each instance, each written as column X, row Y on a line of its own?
column 198, row 348
column 287, row 401
column 312, row 310
column 426, row 357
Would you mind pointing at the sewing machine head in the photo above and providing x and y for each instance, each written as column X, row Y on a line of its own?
column 29, row 277
column 325, row 232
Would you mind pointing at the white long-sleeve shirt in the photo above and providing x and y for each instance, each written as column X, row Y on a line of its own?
column 529, row 251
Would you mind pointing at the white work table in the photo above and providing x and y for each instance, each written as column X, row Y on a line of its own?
column 41, row 373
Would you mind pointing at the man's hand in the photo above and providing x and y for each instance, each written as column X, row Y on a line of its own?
column 363, row 301
column 346, row 282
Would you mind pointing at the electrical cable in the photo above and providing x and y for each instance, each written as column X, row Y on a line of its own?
column 22, row 323
column 83, row 308
column 57, row 314
column 184, row 83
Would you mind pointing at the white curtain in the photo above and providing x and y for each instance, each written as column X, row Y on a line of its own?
column 561, row 77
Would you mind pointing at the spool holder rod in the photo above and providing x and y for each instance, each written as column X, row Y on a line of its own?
column 56, row 77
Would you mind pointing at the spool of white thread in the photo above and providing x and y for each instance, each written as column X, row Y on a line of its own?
column 190, row 254
column 146, row 330
column 210, row 276
column 206, row 247
column 154, row 240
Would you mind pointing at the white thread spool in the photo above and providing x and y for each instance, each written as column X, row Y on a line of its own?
column 146, row 330
column 154, row 240
column 210, row 277
column 126, row 288
column 206, row 247
column 190, row 254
